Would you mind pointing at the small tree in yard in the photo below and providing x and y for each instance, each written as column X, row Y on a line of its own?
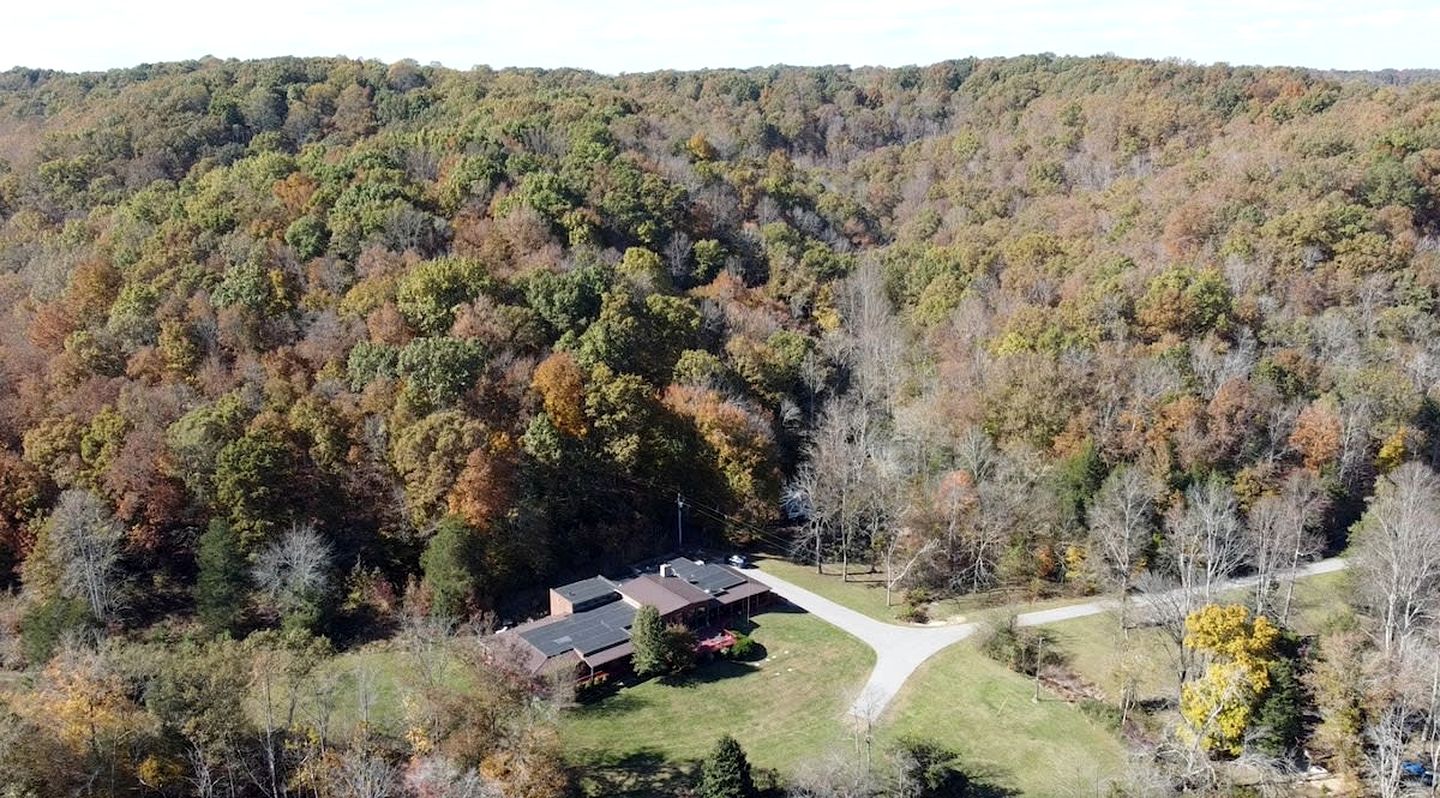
column 647, row 636
column 726, row 772
column 925, row 770
column 679, row 649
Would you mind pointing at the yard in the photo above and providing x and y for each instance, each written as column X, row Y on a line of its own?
column 865, row 593
column 971, row 704
column 783, row 709
column 1099, row 652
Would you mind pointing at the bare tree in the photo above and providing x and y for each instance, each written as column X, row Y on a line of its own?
column 839, row 775
column 892, row 550
column 295, row 570
column 1385, row 732
column 837, row 487
column 872, row 345
column 1397, row 554
column 367, row 774
column 1121, row 521
column 85, row 550
column 1279, row 535
column 1206, row 543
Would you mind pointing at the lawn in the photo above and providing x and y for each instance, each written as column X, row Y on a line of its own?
column 987, row 714
column 865, row 593
column 784, row 709
column 1096, row 649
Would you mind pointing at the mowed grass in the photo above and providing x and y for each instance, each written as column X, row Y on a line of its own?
column 864, row 592
column 787, row 708
column 1097, row 649
column 987, row 714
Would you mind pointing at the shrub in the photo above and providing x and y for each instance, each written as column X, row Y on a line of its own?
column 915, row 614
column 1106, row 714
column 47, row 623
column 1022, row 649
column 743, row 648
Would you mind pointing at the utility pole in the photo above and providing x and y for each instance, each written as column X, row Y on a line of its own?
column 679, row 524
column 1039, row 658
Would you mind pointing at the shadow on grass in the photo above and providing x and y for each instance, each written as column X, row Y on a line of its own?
column 642, row 773
column 611, row 702
column 716, row 671
column 783, row 606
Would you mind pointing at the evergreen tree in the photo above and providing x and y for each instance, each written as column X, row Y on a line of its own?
column 647, row 636
column 1280, row 717
column 220, row 586
column 726, row 772
column 449, row 564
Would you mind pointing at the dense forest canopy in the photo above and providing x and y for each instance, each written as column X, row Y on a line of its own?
column 302, row 341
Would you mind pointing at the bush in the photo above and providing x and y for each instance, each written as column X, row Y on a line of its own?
column 919, row 596
column 47, row 623
column 914, row 614
column 1107, row 715
column 742, row 648
column 926, row 770
column 1022, row 649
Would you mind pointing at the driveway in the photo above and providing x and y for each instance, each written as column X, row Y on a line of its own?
column 1071, row 611
column 899, row 650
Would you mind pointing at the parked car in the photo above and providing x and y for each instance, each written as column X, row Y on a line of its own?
column 738, row 560
column 1417, row 772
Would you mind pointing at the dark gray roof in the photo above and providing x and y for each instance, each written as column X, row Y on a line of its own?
column 709, row 577
column 585, row 632
column 587, row 590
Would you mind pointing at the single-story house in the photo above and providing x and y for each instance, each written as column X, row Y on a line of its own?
column 588, row 629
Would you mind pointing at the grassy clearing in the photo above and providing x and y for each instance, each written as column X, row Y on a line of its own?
column 784, row 709
column 1097, row 650
column 385, row 675
column 967, row 702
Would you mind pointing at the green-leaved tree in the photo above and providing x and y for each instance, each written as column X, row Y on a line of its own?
column 647, row 636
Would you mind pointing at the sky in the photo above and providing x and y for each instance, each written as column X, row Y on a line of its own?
column 613, row 36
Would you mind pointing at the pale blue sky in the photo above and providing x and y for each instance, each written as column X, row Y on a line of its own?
column 634, row 36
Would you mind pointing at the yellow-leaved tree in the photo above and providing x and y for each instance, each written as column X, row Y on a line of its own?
column 1219, row 705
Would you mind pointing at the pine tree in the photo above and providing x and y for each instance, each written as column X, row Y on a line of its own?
column 726, row 772
column 449, row 565
column 220, row 586
column 647, row 636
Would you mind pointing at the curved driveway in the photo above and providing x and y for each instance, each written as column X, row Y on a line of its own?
column 899, row 650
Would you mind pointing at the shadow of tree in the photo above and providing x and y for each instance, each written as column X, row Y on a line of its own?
column 715, row 671
column 642, row 773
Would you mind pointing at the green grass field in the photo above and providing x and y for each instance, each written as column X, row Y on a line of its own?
column 987, row 714
column 1098, row 651
column 865, row 593
column 784, row 709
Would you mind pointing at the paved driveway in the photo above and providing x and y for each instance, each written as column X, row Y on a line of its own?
column 899, row 650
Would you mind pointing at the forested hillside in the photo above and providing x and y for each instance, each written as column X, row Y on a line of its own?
column 321, row 345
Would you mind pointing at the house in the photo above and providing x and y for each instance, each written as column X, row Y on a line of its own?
column 588, row 629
